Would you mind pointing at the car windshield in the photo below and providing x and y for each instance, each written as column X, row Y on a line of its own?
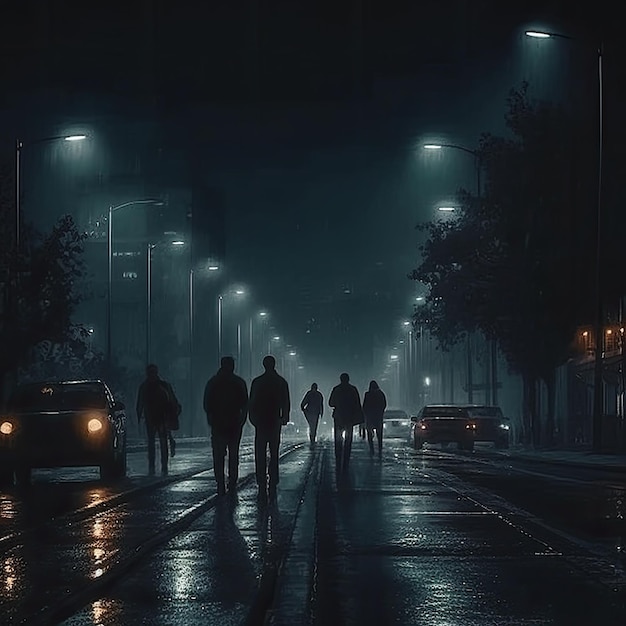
column 486, row 411
column 57, row 397
column 444, row 411
column 395, row 415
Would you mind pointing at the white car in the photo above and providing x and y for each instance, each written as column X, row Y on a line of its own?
column 396, row 423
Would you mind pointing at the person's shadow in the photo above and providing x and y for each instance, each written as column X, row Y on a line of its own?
column 235, row 576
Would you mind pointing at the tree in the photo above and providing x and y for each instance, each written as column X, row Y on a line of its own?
column 42, row 285
column 516, row 263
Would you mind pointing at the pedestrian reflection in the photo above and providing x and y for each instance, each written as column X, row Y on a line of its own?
column 236, row 582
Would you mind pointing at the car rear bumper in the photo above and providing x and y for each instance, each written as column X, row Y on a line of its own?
column 444, row 436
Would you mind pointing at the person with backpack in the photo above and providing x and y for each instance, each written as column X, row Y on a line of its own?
column 226, row 407
column 154, row 405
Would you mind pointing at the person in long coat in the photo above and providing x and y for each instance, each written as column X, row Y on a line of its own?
column 374, row 405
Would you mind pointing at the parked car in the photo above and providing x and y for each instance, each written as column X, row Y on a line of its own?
column 491, row 425
column 62, row 424
column 443, row 424
column 396, row 423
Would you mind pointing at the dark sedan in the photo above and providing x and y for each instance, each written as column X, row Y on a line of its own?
column 62, row 424
column 491, row 425
column 444, row 424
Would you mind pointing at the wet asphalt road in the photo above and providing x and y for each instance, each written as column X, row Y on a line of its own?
column 430, row 537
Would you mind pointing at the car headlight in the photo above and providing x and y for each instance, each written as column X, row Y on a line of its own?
column 505, row 426
column 94, row 425
column 423, row 426
column 470, row 426
column 6, row 428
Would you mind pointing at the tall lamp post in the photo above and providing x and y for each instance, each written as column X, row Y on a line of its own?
column 220, row 320
column 112, row 210
column 598, row 394
column 468, row 342
column 19, row 146
column 149, row 248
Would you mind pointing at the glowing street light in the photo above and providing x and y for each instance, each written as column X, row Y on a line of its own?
column 112, row 210
column 239, row 292
column 446, row 209
column 432, row 146
column 74, row 137
column 19, row 146
column 598, row 383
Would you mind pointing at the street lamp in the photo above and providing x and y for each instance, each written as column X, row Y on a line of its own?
column 112, row 210
column 468, row 345
column 239, row 292
column 446, row 209
column 598, row 400
column 263, row 316
column 19, row 146
column 453, row 146
column 149, row 248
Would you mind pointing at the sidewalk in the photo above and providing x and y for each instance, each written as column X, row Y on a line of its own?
column 575, row 458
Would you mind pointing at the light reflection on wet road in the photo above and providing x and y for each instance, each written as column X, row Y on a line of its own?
column 417, row 539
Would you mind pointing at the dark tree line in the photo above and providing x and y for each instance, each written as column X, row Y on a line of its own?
column 517, row 263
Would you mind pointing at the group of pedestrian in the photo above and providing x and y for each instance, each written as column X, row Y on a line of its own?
column 228, row 404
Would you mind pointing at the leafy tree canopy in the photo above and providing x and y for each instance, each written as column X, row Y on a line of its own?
column 517, row 262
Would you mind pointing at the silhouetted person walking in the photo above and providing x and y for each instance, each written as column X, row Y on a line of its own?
column 374, row 405
column 153, row 404
column 347, row 413
column 312, row 406
column 226, row 408
column 269, row 410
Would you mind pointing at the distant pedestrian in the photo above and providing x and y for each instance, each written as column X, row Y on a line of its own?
column 226, row 408
column 312, row 406
column 269, row 410
column 347, row 413
column 374, row 405
column 154, row 406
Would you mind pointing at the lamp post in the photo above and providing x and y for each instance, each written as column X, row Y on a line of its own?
column 112, row 210
column 220, row 321
column 468, row 341
column 598, row 395
column 149, row 248
column 19, row 146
